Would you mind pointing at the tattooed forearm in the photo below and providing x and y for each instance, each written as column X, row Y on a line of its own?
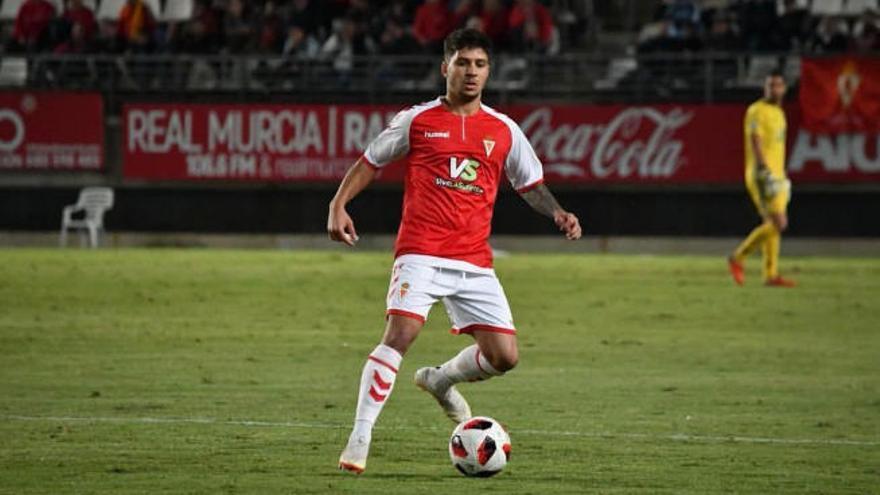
column 541, row 199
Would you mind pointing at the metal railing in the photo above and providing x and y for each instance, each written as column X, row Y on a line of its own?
column 701, row 77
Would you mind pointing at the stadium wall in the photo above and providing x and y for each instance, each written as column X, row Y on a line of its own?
column 723, row 212
column 32, row 200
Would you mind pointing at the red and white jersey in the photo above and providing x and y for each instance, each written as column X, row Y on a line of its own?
column 453, row 170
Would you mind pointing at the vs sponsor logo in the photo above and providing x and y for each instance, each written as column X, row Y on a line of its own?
column 464, row 169
column 462, row 172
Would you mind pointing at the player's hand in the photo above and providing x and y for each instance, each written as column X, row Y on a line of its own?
column 569, row 224
column 766, row 182
column 340, row 226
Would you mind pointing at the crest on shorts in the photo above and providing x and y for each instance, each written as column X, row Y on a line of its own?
column 404, row 288
column 488, row 145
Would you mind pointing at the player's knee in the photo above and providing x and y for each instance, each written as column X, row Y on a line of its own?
column 780, row 222
column 504, row 361
column 400, row 333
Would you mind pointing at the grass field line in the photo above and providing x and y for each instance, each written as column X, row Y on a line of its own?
column 676, row 437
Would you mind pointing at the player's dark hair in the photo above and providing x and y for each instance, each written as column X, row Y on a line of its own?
column 466, row 38
column 776, row 73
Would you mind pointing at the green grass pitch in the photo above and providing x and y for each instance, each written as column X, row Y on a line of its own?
column 197, row 371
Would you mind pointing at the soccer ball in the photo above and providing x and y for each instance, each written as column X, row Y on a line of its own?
column 479, row 447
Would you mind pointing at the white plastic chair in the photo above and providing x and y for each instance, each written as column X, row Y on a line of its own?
column 826, row 7
column 9, row 9
column 177, row 11
column 94, row 201
column 109, row 10
column 13, row 71
column 858, row 7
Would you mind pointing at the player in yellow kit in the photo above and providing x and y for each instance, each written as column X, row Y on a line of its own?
column 769, row 188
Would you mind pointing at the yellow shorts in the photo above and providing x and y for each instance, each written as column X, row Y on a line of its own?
column 777, row 203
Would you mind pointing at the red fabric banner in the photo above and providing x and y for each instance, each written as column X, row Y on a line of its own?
column 51, row 131
column 578, row 144
column 840, row 94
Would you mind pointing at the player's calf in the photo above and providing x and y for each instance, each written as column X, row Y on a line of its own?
column 376, row 384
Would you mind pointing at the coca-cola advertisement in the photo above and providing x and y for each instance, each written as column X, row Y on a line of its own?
column 581, row 144
column 34, row 138
column 644, row 144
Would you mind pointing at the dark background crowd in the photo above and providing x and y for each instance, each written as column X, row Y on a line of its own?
column 760, row 25
column 301, row 27
column 312, row 28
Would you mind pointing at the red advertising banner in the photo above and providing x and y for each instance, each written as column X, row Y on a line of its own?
column 249, row 142
column 51, row 131
column 840, row 94
column 656, row 144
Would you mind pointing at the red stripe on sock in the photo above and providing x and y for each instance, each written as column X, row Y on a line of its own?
column 376, row 395
column 382, row 384
column 383, row 363
column 478, row 363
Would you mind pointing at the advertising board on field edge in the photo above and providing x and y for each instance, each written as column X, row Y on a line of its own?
column 578, row 144
column 51, row 131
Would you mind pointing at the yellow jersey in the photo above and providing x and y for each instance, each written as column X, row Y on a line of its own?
column 768, row 121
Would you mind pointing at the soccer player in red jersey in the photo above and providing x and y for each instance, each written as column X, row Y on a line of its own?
column 456, row 150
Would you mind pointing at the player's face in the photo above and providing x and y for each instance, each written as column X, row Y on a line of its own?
column 466, row 72
column 774, row 89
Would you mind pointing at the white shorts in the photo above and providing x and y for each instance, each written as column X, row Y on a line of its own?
column 474, row 299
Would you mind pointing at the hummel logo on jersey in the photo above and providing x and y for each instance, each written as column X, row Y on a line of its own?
column 437, row 134
column 466, row 169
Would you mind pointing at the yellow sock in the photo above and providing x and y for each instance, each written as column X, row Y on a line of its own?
column 755, row 239
column 771, row 254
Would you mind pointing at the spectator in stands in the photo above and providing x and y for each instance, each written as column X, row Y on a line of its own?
column 574, row 21
column 866, row 32
column 531, row 27
column 32, row 26
column 830, row 36
column 136, row 27
column 682, row 26
column 794, row 25
column 80, row 29
column 396, row 40
column 239, row 28
column 683, row 15
column 299, row 43
column 341, row 47
column 760, row 25
column 304, row 15
column 78, row 14
column 204, row 30
column 433, row 22
column 461, row 11
column 493, row 20
column 391, row 25
column 270, row 38
column 723, row 36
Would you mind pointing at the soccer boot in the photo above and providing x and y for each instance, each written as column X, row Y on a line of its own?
column 778, row 281
column 433, row 381
column 354, row 457
column 736, row 270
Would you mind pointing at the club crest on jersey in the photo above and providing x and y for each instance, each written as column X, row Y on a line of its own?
column 464, row 169
column 488, row 145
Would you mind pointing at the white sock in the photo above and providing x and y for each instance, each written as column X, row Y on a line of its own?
column 468, row 366
column 377, row 381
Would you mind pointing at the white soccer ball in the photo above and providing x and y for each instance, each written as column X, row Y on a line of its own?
column 479, row 447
